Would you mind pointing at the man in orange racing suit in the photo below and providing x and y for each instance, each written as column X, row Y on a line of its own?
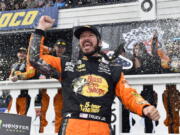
column 29, row 72
column 23, row 100
column 59, row 49
column 43, row 97
column 89, row 85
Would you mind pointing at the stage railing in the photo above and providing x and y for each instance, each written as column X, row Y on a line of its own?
column 158, row 81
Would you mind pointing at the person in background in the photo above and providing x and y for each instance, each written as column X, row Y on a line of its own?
column 23, row 100
column 42, row 99
column 49, row 3
column 3, row 6
column 59, row 50
column 30, row 4
column 10, row 4
column 173, row 52
column 89, row 85
column 19, row 66
column 18, row 4
column 58, row 110
column 159, row 53
column 41, row 3
column 5, row 101
column 60, row 4
column 143, row 62
column 41, row 107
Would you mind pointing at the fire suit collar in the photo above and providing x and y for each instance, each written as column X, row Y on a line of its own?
column 92, row 57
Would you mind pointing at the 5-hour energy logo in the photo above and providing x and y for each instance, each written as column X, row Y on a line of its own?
column 90, row 108
column 21, row 18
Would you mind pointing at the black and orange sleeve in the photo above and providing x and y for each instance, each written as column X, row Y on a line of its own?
column 46, row 64
column 129, row 96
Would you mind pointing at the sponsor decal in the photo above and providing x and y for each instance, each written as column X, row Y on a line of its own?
column 104, row 68
column 68, row 115
column 96, row 117
column 69, row 66
column 90, row 86
column 81, row 67
column 25, row 19
column 11, row 124
column 92, row 116
column 83, row 115
column 89, row 107
column 78, row 84
column 103, row 60
column 85, row 58
column 139, row 99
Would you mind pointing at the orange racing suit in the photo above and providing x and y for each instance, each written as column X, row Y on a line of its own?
column 89, row 87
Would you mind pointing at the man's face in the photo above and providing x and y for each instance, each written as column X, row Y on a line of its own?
column 60, row 50
column 21, row 55
column 88, row 42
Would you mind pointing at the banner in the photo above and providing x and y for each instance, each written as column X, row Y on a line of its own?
column 25, row 19
column 12, row 124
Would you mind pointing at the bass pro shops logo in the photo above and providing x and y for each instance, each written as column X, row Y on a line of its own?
column 90, row 86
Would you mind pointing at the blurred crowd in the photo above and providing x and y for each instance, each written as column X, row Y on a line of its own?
column 25, row 4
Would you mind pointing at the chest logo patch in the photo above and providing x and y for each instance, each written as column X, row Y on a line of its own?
column 90, row 86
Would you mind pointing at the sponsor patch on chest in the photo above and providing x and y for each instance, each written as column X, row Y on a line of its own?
column 69, row 66
column 104, row 68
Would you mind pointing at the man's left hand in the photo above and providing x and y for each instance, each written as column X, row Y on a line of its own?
column 151, row 112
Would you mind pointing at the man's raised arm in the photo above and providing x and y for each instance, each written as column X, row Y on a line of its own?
column 46, row 64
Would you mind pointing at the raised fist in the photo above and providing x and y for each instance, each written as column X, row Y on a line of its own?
column 45, row 22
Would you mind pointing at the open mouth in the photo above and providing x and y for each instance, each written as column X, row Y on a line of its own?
column 87, row 45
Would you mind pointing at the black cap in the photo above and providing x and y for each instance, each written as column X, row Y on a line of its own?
column 61, row 43
column 22, row 49
column 81, row 29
